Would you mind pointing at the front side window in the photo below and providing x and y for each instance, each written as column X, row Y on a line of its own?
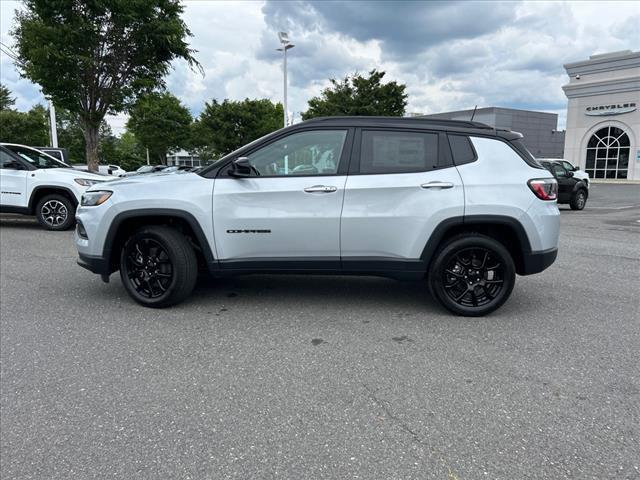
column 559, row 171
column 36, row 158
column 304, row 153
column 568, row 166
column 398, row 152
column 8, row 162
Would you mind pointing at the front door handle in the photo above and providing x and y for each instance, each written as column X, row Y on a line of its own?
column 320, row 189
column 437, row 185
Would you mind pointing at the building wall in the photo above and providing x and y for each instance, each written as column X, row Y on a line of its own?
column 603, row 80
column 539, row 128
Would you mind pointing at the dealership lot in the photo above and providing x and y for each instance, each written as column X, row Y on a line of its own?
column 324, row 377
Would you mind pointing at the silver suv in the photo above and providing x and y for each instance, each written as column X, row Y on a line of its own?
column 460, row 204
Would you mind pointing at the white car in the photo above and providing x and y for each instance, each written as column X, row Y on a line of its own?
column 577, row 173
column 34, row 183
column 460, row 204
column 113, row 170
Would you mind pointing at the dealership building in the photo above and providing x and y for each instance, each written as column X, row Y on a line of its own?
column 603, row 119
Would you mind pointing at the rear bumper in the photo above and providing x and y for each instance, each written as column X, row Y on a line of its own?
column 536, row 262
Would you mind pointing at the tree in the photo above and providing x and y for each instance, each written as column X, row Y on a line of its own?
column 96, row 57
column 357, row 95
column 224, row 127
column 160, row 123
column 6, row 100
column 29, row 128
column 129, row 154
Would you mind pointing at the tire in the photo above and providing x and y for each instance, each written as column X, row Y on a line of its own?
column 56, row 212
column 578, row 200
column 472, row 275
column 158, row 267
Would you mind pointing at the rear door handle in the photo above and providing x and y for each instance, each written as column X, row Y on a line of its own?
column 437, row 185
column 320, row 189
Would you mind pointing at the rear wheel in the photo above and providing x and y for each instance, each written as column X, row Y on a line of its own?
column 578, row 200
column 472, row 275
column 55, row 212
column 158, row 266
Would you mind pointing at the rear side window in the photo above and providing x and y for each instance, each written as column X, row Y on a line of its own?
column 462, row 149
column 398, row 152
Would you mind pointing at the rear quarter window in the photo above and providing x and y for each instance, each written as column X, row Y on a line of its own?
column 461, row 149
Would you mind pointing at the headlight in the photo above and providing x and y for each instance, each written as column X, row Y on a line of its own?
column 85, row 182
column 93, row 199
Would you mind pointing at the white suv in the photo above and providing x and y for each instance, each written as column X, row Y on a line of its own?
column 34, row 183
column 459, row 203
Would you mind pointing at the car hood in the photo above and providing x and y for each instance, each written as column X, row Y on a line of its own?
column 75, row 173
column 147, row 179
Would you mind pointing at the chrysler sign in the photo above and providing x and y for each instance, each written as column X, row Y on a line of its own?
column 613, row 109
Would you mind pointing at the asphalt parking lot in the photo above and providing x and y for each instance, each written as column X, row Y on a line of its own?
column 325, row 377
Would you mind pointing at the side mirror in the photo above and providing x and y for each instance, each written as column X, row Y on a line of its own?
column 241, row 167
column 569, row 174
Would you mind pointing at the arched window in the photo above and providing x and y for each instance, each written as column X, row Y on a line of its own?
column 608, row 153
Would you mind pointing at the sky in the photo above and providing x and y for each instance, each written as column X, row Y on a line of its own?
column 451, row 55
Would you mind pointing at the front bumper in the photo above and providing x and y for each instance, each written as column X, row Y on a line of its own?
column 96, row 265
column 535, row 262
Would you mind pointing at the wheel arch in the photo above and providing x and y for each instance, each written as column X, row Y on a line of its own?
column 125, row 223
column 507, row 230
column 38, row 192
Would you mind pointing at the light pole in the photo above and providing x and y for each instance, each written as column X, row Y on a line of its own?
column 286, row 45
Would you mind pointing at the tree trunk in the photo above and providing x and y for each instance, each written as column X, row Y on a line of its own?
column 91, row 142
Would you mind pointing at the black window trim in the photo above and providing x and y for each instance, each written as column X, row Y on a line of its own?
column 444, row 159
column 343, row 165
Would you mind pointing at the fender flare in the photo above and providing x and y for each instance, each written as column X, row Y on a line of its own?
column 107, row 249
column 31, row 206
column 469, row 220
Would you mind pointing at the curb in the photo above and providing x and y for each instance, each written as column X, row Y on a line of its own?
column 614, row 182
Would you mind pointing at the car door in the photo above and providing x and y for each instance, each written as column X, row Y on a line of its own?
column 401, row 185
column 289, row 208
column 565, row 183
column 13, row 181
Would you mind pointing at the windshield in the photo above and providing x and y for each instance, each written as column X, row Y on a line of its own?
column 36, row 158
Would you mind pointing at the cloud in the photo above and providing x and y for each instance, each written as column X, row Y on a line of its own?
column 451, row 55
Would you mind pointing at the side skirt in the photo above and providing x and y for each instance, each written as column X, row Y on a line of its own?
column 401, row 269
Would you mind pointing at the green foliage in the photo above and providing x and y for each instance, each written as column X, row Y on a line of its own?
column 160, row 123
column 358, row 95
column 129, row 153
column 96, row 57
column 6, row 100
column 224, row 127
column 29, row 128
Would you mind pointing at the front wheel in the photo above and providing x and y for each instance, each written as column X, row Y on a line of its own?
column 55, row 212
column 472, row 275
column 158, row 267
column 578, row 200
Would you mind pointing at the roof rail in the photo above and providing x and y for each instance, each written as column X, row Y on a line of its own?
column 426, row 121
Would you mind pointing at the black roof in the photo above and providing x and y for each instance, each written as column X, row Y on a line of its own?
column 462, row 126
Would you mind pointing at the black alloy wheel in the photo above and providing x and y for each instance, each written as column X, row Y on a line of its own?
column 472, row 275
column 149, row 268
column 158, row 266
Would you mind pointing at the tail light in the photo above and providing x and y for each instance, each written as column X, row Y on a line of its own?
column 544, row 188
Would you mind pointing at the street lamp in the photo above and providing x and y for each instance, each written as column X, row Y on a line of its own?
column 286, row 45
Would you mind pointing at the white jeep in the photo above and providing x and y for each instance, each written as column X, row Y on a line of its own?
column 461, row 204
column 34, row 183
